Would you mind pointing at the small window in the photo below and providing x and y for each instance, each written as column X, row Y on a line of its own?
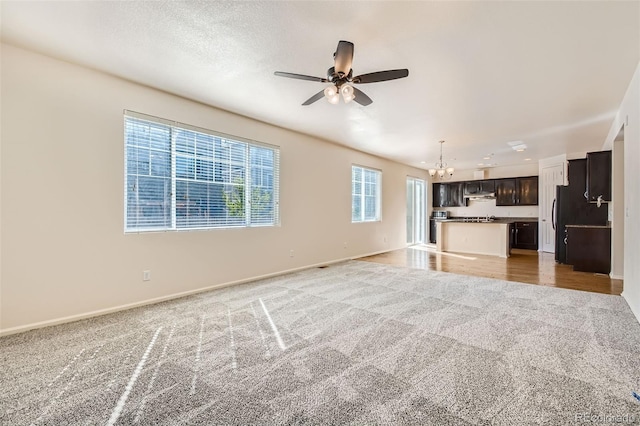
column 182, row 177
column 365, row 194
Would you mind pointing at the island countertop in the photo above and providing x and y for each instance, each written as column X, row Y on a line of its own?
column 482, row 219
column 488, row 238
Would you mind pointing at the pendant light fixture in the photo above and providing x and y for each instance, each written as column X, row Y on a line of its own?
column 441, row 170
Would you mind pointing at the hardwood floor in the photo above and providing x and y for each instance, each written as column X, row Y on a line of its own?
column 526, row 266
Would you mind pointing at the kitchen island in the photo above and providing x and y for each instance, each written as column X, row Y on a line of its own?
column 477, row 237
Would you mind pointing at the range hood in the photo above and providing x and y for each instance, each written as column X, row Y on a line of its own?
column 480, row 196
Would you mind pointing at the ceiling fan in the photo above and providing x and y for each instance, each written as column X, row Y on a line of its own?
column 340, row 74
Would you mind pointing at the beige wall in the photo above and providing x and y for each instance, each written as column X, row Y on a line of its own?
column 629, row 116
column 64, row 253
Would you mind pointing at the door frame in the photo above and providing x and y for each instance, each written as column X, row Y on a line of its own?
column 545, row 205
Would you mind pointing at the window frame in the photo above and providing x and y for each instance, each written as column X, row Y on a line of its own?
column 249, row 146
column 363, row 195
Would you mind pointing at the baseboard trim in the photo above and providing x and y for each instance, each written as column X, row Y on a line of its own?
column 616, row 277
column 99, row 312
column 634, row 311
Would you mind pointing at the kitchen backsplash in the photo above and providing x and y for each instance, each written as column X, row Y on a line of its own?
column 489, row 208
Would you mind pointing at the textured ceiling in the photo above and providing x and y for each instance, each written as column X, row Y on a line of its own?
column 482, row 74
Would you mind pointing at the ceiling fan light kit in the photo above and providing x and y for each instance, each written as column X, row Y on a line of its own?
column 331, row 93
column 347, row 93
column 340, row 74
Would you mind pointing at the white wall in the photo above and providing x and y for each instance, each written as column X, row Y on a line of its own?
column 64, row 253
column 629, row 116
column 616, row 211
column 488, row 207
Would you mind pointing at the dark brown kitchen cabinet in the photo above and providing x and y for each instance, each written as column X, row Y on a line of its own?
column 438, row 195
column 577, row 170
column 589, row 248
column 527, row 191
column 432, row 231
column 512, row 235
column 522, row 191
column 479, row 187
column 526, row 235
column 448, row 194
column 599, row 176
column 506, row 192
column 456, row 194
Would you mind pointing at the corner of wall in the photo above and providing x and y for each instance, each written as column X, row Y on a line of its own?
column 634, row 309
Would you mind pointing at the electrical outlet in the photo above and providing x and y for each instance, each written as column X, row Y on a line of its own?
column 146, row 275
column 290, row 253
column 344, row 244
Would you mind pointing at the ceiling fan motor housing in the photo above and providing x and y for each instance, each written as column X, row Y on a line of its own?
column 338, row 78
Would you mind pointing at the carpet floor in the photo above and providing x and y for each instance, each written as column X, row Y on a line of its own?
column 352, row 343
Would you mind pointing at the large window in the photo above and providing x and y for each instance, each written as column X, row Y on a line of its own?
column 182, row 177
column 365, row 194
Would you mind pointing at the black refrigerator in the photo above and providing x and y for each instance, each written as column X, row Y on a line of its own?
column 572, row 208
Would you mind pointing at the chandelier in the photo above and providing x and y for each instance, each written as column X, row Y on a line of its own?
column 441, row 169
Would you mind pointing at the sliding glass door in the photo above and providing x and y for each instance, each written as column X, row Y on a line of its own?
column 416, row 222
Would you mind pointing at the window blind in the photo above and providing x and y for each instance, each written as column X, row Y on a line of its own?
column 365, row 194
column 181, row 177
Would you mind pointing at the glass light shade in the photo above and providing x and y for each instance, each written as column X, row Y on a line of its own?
column 440, row 172
column 347, row 93
column 450, row 171
column 432, row 172
column 331, row 93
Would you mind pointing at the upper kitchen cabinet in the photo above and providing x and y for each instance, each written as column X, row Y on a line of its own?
column 527, row 191
column 448, row 194
column 476, row 187
column 457, row 195
column 599, row 176
column 438, row 196
column 522, row 191
column 506, row 192
column 577, row 177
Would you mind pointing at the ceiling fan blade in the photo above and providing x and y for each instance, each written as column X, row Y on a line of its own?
column 375, row 77
column 314, row 98
column 343, row 57
column 361, row 98
column 300, row 76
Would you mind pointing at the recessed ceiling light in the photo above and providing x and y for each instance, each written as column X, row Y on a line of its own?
column 519, row 148
column 486, row 158
column 527, row 159
column 423, row 162
column 480, row 164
